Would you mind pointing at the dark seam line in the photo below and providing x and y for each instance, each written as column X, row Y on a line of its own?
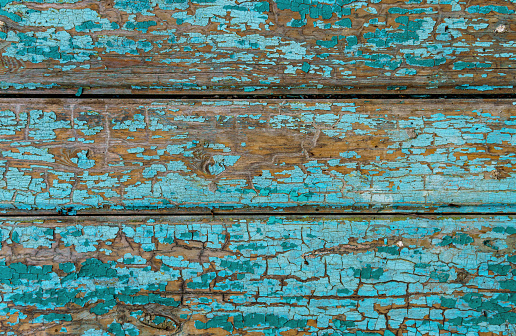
column 262, row 96
column 257, row 214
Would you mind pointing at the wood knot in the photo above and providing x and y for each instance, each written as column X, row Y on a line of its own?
column 206, row 163
column 164, row 320
column 161, row 322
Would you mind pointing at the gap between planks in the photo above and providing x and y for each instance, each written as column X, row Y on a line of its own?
column 271, row 97
column 258, row 214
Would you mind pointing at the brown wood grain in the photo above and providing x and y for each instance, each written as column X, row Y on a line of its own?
column 198, row 156
column 257, row 47
column 258, row 275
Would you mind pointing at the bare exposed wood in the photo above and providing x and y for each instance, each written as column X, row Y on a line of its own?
column 106, row 156
column 276, row 46
column 258, row 275
column 287, row 212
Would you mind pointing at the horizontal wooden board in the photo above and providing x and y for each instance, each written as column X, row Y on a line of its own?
column 100, row 156
column 258, row 275
column 223, row 46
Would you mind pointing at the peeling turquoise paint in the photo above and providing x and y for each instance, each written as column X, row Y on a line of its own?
column 490, row 8
column 425, row 34
column 334, row 276
column 158, row 163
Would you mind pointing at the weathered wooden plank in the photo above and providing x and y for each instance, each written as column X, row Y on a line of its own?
column 350, row 46
column 98, row 156
column 258, row 275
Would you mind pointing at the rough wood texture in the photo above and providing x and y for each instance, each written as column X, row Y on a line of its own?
column 258, row 276
column 91, row 156
column 298, row 46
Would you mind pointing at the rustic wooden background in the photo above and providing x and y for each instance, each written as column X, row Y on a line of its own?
column 217, row 167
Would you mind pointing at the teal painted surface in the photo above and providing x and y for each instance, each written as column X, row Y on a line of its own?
column 243, row 274
column 235, row 275
column 94, row 156
column 257, row 46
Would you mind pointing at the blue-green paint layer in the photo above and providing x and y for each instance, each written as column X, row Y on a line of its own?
column 267, row 275
column 87, row 156
column 257, row 46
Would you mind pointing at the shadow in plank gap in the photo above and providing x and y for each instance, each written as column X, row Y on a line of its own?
column 265, row 275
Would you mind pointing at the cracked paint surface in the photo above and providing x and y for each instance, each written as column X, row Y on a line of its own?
column 246, row 274
column 276, row 46
column 265, row 275
column 88, row 156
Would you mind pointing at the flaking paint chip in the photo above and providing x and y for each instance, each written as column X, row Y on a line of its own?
column 500, row 29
